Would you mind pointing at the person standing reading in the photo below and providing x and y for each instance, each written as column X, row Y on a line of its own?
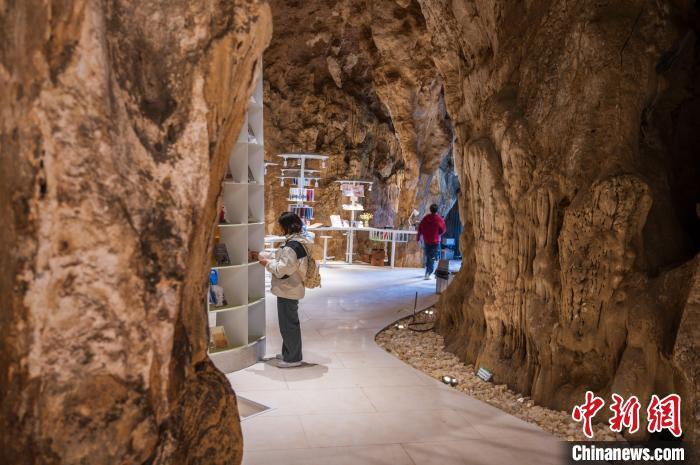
column 431, row 227
column 288, row 268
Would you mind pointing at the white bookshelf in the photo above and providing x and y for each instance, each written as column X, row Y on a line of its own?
column 302, row 180
column 243, row 318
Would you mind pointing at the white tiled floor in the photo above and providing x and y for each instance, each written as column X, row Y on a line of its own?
column 355, row 404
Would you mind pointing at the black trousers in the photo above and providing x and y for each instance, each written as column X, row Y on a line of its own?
column 288, row 316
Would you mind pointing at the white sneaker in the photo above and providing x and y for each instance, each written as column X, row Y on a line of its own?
column 279, row 357
column 283, row 364
column 427, row 276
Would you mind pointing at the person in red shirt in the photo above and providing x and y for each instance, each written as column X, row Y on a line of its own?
column 431, row 227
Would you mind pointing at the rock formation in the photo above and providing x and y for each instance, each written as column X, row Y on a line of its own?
column 572, row 127
column 573, row 144
column 117, row 120
column 354, row 80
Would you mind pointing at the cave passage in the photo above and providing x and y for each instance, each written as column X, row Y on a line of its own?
column 138, row 139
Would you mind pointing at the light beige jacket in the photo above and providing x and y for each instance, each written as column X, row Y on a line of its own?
column 284, row 262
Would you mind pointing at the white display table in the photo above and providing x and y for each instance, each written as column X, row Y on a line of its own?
column 376, row 234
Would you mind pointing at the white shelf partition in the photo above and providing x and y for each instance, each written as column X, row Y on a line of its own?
column 243, row 316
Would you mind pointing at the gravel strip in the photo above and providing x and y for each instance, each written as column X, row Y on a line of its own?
column 425, row 351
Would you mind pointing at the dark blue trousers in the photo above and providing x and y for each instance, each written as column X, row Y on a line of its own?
column 432, row 254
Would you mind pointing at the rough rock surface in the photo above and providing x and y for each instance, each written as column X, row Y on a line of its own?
column 354, row 80
column 573, row 144
column 117, row 118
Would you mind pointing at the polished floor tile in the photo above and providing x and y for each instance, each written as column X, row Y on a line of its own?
column 370, row 358
column 259, row 376
column 386, row 428
column 467, row 452
column 386, row 399
column 320, row 377
column 269, row 433
column 390, row 454
column 312, row 402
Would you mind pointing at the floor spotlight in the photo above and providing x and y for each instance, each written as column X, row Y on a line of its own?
column 450, row 380
column 400, row 326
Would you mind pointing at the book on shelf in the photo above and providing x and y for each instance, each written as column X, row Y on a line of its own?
column 251, row 136
column 218, row 337
column 216, row 296
column 307, row 182
column 221, row 255
column 297, row 194
column 336, row 222
column 303, row 211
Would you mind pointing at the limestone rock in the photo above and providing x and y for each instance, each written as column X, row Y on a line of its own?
column 354, row 80
column 117, row 120
column 577, row 193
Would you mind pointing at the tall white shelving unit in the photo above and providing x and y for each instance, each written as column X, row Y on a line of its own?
column 243, row 318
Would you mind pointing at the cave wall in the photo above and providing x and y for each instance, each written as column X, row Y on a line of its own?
column 572, row 143
column 117, row 121
column 354, row 80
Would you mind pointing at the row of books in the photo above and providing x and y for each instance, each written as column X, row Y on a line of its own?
column 307, row 182
column 301, row 195
column 305, row 213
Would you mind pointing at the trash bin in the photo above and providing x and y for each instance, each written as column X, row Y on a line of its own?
column 443, row 277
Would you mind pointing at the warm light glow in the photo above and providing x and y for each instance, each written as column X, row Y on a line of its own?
column 450, row 380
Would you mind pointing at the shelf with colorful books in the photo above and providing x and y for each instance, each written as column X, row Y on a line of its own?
column 300, row 172
column 236, row 294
